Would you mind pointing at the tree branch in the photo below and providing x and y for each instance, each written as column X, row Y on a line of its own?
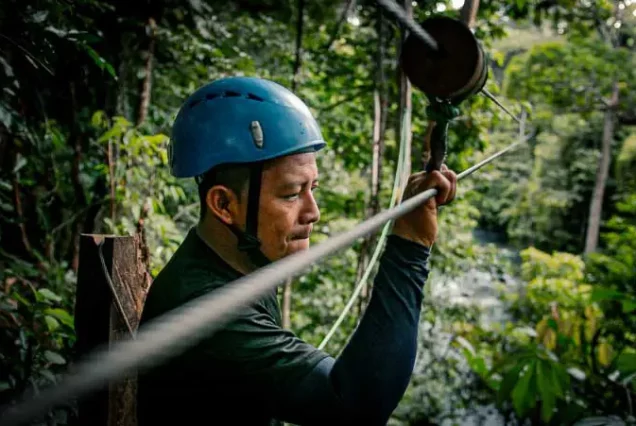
column 299, row 44
column 20, row 213
column 343, row 18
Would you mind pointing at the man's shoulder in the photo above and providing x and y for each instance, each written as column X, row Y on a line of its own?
column 187, row 275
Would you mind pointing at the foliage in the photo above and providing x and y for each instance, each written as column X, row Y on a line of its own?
column 554, row 362
column 37, row 328
column 508, row 331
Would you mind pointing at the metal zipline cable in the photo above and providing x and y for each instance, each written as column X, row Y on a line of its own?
column 174, row 332
column 426, row 38
column 399, row 13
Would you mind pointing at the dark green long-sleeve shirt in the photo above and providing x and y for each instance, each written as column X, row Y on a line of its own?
column 253, row 371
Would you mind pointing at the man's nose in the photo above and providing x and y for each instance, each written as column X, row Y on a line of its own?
column 311, row 212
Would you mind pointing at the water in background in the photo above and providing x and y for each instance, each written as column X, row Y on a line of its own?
column 475, row 288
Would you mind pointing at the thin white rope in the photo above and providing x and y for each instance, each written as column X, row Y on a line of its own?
column 172, row 333
column 398, row 189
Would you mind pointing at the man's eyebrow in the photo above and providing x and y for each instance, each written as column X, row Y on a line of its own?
column 300, row 183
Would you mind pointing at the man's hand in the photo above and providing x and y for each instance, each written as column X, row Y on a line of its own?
column 420, row 225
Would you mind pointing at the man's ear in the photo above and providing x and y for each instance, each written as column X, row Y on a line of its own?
column 223, row 204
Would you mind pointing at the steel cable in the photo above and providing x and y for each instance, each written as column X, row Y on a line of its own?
column 392, row 7
column 172, row 333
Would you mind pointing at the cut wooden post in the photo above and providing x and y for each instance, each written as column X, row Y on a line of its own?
column 99, row 322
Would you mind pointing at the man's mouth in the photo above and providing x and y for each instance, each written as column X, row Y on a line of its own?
column 303, row 236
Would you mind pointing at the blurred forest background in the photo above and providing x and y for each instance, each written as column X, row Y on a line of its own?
column 530, row 311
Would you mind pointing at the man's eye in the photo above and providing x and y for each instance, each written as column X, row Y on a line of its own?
column 291, row 197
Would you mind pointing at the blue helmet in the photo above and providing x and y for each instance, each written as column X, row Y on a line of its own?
column 240, row 120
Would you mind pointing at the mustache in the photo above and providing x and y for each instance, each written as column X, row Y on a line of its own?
column 302, row 235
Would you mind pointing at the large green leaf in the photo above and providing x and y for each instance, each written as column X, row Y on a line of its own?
column 510, row 379
column 61, row 315
column 546, row 387
column 524, row 392
column 54, row 357
column 51, row 323
column 47, row 294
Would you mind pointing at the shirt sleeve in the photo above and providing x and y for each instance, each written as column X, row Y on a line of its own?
column 303, row 385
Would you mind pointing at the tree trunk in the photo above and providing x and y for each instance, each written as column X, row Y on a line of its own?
column 380, row 102
column 405, row 102
column 596, row 204
column 122, row 105
column 144, row 101
column 469, row 12
column 287, row 292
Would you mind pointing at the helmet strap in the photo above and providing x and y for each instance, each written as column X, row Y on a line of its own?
column 248, row 241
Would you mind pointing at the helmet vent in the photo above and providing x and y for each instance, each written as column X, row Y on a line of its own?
column 254, row 97
column 211, row 96
column 231, row 94
column 195, row 103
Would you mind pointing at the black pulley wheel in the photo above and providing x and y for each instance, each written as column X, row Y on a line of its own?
column 453, row 72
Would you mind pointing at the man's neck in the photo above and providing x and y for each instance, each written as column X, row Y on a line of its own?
column 225, row 244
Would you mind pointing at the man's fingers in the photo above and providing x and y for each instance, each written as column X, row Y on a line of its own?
column 437, row 180
column 452, row 178
column 444, row 180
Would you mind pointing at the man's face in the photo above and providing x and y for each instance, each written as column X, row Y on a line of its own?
column 288, row 209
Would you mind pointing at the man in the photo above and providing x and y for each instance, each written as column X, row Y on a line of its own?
column 250, row 144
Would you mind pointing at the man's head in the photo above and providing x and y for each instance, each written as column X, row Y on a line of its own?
column 287, row 209
column 261, row 124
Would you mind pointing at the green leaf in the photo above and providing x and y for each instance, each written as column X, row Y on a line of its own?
column 600, row 293
column 559, row 379
column 629, row 306
column 62, row 315
column 5, row 185
column 98, row 60
column 21, row 299
column 509, row 381
column 626, row 362
column 51, row 323
column 546, row 394
column 54, row 357
column 99, row 119
column 19, row 163
column 523, row 394
column 49, row 295
column 4, row 386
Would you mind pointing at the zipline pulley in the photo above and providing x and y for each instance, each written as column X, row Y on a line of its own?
column 454, row 71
